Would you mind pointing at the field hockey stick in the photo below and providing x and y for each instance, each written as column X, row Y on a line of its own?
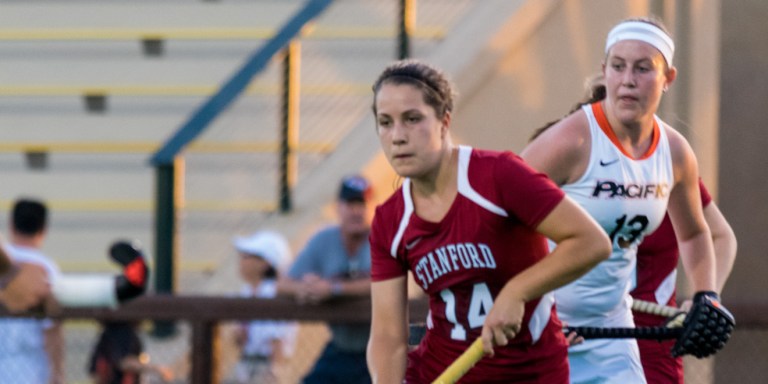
column 671, row 330
column 655, row 309
column 463, row 363
column 652, row 333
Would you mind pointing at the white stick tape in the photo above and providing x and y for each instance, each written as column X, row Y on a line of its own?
column 85, row 290
column 655, row 309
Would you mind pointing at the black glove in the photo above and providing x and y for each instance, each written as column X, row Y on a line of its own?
column 133, row 281
column 706, row 328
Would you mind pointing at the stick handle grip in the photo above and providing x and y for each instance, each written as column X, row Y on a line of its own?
column 654, row 333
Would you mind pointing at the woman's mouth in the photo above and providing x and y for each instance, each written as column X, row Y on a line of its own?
column 628, row 98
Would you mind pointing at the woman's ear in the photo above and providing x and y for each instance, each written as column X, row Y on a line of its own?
column 446, row 124
column 671, row 75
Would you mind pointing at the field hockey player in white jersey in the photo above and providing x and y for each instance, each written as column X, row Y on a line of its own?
column 626, row 167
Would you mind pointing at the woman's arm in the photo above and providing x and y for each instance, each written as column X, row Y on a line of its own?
column 140, row 364
column 724, row 241
column 581, row 244
column 388, row 344
column 54, row 347
column 562, row 151
column 693, row 236
column 23, row 286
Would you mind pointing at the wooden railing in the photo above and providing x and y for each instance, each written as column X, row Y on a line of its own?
column 204, row 313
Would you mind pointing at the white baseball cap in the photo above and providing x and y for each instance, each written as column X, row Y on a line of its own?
column 269, row 245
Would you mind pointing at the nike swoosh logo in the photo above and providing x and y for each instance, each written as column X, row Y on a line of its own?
column 607, row 163
column 412, row 244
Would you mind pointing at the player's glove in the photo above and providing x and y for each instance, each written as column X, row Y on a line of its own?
column 133, row 281
column 706, row 328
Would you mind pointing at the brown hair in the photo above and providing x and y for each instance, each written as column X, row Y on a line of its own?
column 432, row 82
column 650, row 19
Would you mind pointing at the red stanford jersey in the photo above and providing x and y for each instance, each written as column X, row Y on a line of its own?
column 657, row 259
column 462, row 262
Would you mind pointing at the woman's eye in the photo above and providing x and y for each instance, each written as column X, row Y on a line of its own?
column 413, row 119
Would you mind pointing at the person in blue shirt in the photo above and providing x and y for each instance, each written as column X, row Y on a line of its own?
column 336, row 262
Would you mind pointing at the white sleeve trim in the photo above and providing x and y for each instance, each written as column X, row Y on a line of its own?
column 466, row 189
column 540, row 316
column 404, row 220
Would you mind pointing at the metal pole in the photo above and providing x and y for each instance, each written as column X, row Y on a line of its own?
column 165, row 235
column 289, row 129
column 205, row 353
column 406, row 25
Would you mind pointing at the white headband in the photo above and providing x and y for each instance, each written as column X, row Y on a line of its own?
column 645, row 32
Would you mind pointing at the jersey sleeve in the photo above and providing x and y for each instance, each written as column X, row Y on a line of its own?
column 706, row 198
column 383, row 265
column 529, row 195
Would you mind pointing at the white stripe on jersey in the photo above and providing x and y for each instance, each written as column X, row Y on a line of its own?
column 405, row 219
column 466, row 189
column 540, row 316
column 666, row 288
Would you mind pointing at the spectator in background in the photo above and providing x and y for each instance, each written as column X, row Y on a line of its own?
column 336, row 262
column 264, row 344
column 119, row 357
column 31, row 350
column 22, row 285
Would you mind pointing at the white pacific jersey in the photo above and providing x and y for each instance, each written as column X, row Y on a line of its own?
column 628, row 198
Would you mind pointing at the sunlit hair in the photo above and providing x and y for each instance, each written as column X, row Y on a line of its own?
column 432, row 83
column 650, row 19
column 595, row 91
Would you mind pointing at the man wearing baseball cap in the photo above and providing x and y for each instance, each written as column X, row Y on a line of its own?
column 336, row 262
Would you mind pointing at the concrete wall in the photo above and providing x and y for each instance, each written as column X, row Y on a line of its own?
column 743, row 140
column 541, row 72
column 551, row 47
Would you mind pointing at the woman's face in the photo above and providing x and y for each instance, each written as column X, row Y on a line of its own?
column 636, row 75
column 252, row 267
column 412, row 136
